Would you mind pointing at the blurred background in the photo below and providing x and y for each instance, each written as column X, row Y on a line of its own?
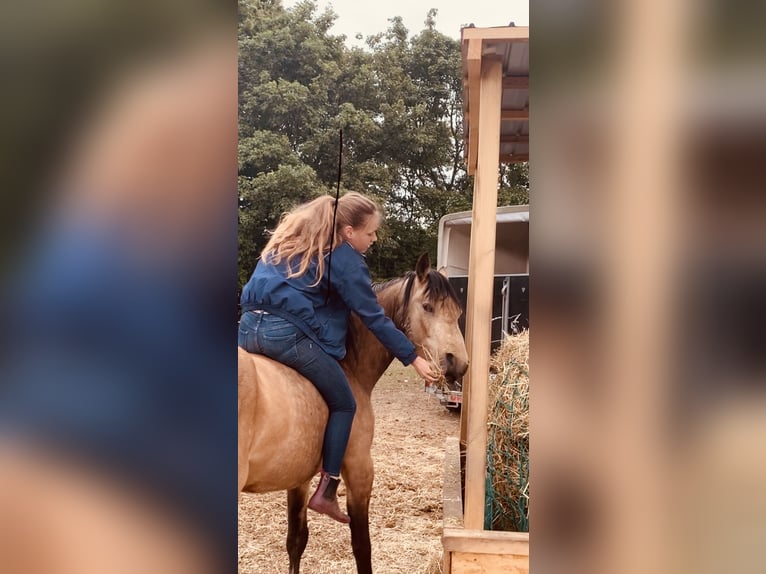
column 118, row 281
column 648, row 355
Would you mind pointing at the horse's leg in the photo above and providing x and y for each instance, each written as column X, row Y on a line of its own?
column 297, row 526
column 358, row 481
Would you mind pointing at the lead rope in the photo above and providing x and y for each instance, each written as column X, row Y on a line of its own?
column 334, row 215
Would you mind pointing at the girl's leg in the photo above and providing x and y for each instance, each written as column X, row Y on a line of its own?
column 331, row 382
column 283, row 342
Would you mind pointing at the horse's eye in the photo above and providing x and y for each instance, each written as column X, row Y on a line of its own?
column 428, row 308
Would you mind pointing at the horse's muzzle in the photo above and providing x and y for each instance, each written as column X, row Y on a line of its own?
column 456, row 367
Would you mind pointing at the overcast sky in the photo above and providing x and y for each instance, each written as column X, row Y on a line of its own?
column 370, row 17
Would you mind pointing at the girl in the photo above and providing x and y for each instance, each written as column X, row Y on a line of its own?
column 296, row 310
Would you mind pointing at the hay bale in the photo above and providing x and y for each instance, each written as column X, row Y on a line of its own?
column 508, row 437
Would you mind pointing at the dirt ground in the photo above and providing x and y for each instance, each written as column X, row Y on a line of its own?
column 406, row 508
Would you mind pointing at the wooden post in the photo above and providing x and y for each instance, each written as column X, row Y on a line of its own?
column 481, row 271
column 473, row 70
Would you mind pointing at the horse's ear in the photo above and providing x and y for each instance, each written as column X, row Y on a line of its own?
column 423, row 266
column 443, row 271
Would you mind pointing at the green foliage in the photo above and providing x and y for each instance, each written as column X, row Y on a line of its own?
column 399, row 104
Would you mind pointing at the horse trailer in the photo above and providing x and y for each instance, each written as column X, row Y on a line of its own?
column 510, row 302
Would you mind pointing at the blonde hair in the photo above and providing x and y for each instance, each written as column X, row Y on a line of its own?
column 305, row 233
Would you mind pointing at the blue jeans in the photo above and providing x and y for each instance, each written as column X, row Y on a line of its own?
column 275, row 337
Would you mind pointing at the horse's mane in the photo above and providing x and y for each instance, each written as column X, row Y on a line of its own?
column 438, row 288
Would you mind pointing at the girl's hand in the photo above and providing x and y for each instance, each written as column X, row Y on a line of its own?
column 425, row 370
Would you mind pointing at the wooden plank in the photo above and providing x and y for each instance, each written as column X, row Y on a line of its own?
column 485, row 541
column 473, row 87
column 514, row 139
column 467, row 563
column 516, row 83
column 453, row 497
column 481, row 270
column 508, row 115
column 466, row 383
column 447, row 562
column 471, row 93
column 514, row 158
column 466, row 392
column 515, row 33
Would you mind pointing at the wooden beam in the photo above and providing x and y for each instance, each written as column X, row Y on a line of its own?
column 452, row 513
column 485, row 541
column 472, row 563
column 514, row 139
column 472, row 85
column 466, row 386
column 506, row 115
column 514, row 158
column 516, row 83
column 453, row 498
column 515, row 33
column 481, row 271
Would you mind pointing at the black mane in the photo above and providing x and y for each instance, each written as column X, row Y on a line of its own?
column 438, row 288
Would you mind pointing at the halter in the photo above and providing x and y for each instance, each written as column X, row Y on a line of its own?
column 436, row 286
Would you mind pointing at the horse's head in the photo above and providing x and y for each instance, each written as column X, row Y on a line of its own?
column 432, row 312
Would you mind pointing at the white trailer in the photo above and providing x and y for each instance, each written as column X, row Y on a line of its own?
column 510, row 306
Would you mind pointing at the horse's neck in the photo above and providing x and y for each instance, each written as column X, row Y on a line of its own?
column 367, row 358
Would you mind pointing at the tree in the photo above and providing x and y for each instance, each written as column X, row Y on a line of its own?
column 398, row 101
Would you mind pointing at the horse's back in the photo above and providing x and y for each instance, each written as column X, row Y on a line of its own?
column 281, row 420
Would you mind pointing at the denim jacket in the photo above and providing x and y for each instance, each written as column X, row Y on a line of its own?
column 325, row 319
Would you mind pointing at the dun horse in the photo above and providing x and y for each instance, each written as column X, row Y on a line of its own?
column 282, row 416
